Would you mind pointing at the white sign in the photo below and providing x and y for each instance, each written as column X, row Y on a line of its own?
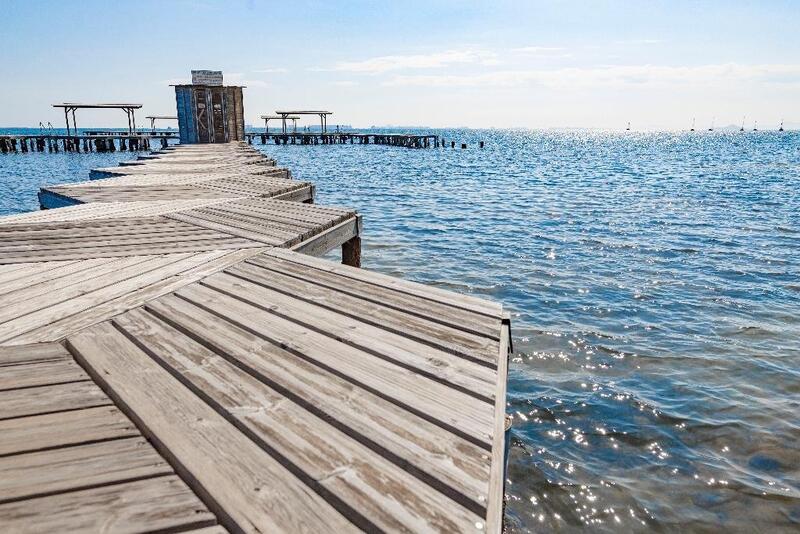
column 207, row 77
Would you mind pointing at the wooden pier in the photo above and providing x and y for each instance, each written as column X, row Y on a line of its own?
column 100, row 142
column 341, row 138
column 177, row 361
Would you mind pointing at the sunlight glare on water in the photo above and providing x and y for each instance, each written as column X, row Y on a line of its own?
column 654, row 281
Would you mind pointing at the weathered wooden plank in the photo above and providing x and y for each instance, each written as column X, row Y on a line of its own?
column 153, row 504
column 115, row 241
column 368, row 417
column 290, row 212
column 441, row 403
column 100, row 276
column 25, row 476
column 376, row 309
column 109, row 223
column 97, row 228
column 249, row 489
column 104, row 290
column 60, row 270
column 432, row 310
column 40, row 374
column 38, row 352
column 328, row 240
column 267, row 223
column 49, row 399
column 362, row 480
column 494, row 517
column 222, row 243
column 390, row 352
column 216, row 529
column 11, row 274
column 62, row 429
column 32, row 298
column 223, row 226
column 60, row 328
column 467, row 302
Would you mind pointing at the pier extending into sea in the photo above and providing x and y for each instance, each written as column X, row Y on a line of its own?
column 107, row 141
column 341, row 138
column 90, row 142
column 176, row 355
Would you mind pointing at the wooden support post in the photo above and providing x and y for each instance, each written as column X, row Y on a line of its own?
column 351, row 252
column 481, row 144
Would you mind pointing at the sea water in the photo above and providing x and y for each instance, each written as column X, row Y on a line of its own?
column 654, row 285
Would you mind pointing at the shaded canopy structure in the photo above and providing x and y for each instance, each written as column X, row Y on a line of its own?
column 323, row 117
column 70, row 107
column 153, row 119
column 268, row 118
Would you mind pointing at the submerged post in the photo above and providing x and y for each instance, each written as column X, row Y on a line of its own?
column 351, row 252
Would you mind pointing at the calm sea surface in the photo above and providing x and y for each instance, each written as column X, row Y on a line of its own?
column 654, row 281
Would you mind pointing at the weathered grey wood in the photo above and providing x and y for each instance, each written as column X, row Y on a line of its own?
column 217, row 529
column 35, row 297
column 40, row 374
column 207, row 264
column 11, row 274
column 372, row 311
column 40, row 352
column 51, row 398
column 222, row 243
column 38, row 432
column 494, row 515
column 25, row 476
column 328, row 240
column 467, row 302
column 103, row 291
column 391, row 354
column 466, row 321
column 216, row 223
column 249, row 490
column 365, row 482
column 409, row 437
column 439, row 402
column 147, row 505
column 59, row 270
column 101, row 276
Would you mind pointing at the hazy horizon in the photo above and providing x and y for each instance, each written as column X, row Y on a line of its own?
column 540, row 65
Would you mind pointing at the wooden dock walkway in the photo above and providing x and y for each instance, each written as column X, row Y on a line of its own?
column 95, row 142
column 189, row 364
column 341, row 138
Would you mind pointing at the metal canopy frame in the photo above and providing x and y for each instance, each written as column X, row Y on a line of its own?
column 268, row 118
column 323, row 117
column 70, row 107
column 153, row 118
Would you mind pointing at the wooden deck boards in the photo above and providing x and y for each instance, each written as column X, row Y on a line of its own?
column 181, row 174
column 157, row 357
column 378, row 429
column 70, row 461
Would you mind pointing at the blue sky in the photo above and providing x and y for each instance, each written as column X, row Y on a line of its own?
column 531, row 64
